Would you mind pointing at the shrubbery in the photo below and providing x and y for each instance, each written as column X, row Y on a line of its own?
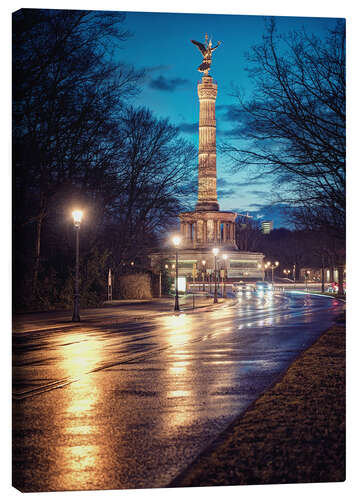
column 135, row 286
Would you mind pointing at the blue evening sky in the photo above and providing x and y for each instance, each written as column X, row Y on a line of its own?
column 161, row 44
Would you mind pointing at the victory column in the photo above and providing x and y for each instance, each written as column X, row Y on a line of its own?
column 207, row 227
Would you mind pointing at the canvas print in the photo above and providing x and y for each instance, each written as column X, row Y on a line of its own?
column 179, row 274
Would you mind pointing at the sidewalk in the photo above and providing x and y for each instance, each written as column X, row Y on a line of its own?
column 118, row 310
column 293, row 433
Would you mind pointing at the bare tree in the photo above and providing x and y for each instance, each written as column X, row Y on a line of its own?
column 67, row 93
column 294, row 126
column 154, row 165
column 248, row 234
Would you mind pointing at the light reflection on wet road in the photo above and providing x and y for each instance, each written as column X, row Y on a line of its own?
column 132, row 402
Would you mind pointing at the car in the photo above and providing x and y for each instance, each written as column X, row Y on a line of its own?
column 242, row 287
column 263, row 286
column 333, row 287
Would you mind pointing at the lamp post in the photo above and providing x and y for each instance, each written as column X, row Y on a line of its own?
column 215, row 253
column 176, row 241
column 203, row 274
column 266, row 267
column 273, row 266
column 307, row 276
column 77, row 217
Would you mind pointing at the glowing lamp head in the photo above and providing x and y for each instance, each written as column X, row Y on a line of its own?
column 276, row 263
column 225, row 257
column 176, row 240
column 268, row 263
column 203, row 262
column 215, row 251
column 77, row 217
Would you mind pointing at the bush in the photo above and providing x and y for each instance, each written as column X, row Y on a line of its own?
column 135, row 286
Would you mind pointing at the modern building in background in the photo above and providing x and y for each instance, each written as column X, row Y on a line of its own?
column 267, row 226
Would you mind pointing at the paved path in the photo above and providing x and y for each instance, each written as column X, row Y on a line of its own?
column 130, row 401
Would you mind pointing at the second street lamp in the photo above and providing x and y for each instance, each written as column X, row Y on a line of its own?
column 215, row 253
column 176, row 241
column 77, row 218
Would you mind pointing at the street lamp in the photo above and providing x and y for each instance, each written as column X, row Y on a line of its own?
column 266, row 266
column 77, row 217
column 307, row 276
column 176, row 241
column 215, row 253
column 203, row 274
column 273, row 266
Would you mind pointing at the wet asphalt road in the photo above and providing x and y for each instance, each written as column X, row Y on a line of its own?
column 130, row 401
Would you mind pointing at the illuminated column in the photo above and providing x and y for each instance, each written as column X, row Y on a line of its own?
column 207, row 176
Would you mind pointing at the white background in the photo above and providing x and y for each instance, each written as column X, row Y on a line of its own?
column 318, row 8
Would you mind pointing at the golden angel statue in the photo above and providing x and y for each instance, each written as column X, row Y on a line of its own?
column 206, row 51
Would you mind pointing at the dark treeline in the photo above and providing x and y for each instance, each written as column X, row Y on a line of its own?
column 292, row 248
column 79, row 143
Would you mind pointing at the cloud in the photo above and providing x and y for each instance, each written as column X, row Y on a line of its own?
column 252, row 183
column 223, row 182
column 231, row 113
column 225, row 193
column 237, row 117
column 188, row 128
column 278, row 213
column 153, row 69
column 234, row 132
column 257, row 193
column 167, row 84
